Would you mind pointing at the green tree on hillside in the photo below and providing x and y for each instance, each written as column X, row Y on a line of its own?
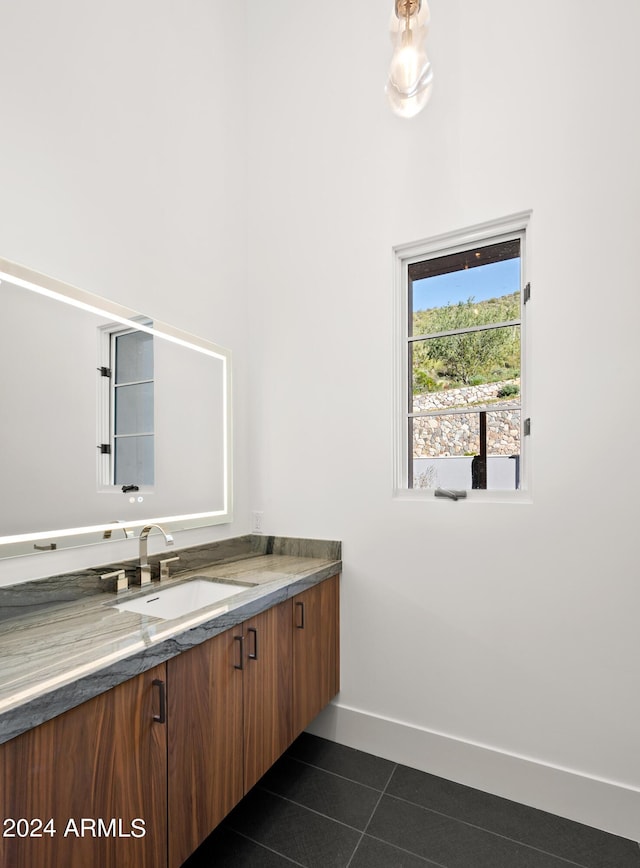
column 471, row 357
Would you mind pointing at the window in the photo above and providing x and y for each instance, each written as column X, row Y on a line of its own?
column 461, row 305
column 127, row 408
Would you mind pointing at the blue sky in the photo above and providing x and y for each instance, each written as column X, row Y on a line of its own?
column 482, row 282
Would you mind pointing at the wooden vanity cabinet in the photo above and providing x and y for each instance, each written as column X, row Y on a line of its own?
column 316, row 655
column 205, row 741
column 176, row 747
column 229, row 720
column 236, row 703
column 267, row 686
column 93, row 771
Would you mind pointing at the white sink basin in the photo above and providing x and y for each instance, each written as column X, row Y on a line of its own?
column 181, row 600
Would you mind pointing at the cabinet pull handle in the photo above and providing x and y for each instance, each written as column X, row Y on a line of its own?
column 254, row 632
column 162, row 717
column 300, row 620
column 239, row 639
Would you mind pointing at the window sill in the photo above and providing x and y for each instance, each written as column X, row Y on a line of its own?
column 474, row 496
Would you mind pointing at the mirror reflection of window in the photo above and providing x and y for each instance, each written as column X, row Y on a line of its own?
column 133, row 425
column 128, row 407
column 58, row 425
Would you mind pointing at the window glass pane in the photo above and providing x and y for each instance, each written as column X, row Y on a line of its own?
column 446, row 435
column 133, row 461
column 467, row 314
column 134, row 409
column 485, row 277
column 503, row 432
column 443, row 449
column 503, row 450
column 475, row 368
column 134, row 357
column 463, row 260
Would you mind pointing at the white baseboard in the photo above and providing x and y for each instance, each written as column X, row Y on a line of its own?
column 606, row 805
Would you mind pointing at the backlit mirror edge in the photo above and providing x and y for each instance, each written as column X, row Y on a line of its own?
column 19, row 545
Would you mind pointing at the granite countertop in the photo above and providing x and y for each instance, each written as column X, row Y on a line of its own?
column 63, row 641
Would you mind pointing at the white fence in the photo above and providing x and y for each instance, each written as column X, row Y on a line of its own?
column 455, row 472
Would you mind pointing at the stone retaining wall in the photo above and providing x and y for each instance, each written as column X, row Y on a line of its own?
column 459, row 434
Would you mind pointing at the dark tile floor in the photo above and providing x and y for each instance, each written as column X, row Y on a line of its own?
column 328, row 806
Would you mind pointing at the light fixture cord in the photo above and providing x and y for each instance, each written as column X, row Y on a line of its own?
column 407, row 30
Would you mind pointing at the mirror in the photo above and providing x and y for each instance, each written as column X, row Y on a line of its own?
column 109, row 420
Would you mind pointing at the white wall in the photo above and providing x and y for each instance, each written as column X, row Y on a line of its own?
column 122, row 171
column 495, row 643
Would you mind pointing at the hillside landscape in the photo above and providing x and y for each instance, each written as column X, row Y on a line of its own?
column 471, row 358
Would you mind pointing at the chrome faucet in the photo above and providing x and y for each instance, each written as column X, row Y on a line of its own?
column 143, row 567
column 128, row 533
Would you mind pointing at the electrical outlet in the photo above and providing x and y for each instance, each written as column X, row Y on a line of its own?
column 256, row 522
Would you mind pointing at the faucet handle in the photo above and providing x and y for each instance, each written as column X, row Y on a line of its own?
column 144, row 574
column 122, row 583
column 164, row 567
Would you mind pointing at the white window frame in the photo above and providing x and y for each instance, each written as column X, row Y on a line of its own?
column 516, row 226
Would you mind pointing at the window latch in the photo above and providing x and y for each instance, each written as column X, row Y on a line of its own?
column 452, row 494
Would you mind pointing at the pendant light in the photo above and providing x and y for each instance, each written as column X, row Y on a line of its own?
column 410, row 75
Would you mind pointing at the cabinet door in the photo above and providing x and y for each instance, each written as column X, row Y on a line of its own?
column 316, row 664
column 205, row 740
column 93, row 771
column 267, row 690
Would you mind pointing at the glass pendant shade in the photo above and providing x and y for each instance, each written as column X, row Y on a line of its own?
column 410, row 75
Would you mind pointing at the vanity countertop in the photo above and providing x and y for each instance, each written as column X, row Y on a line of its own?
column 56, row 656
